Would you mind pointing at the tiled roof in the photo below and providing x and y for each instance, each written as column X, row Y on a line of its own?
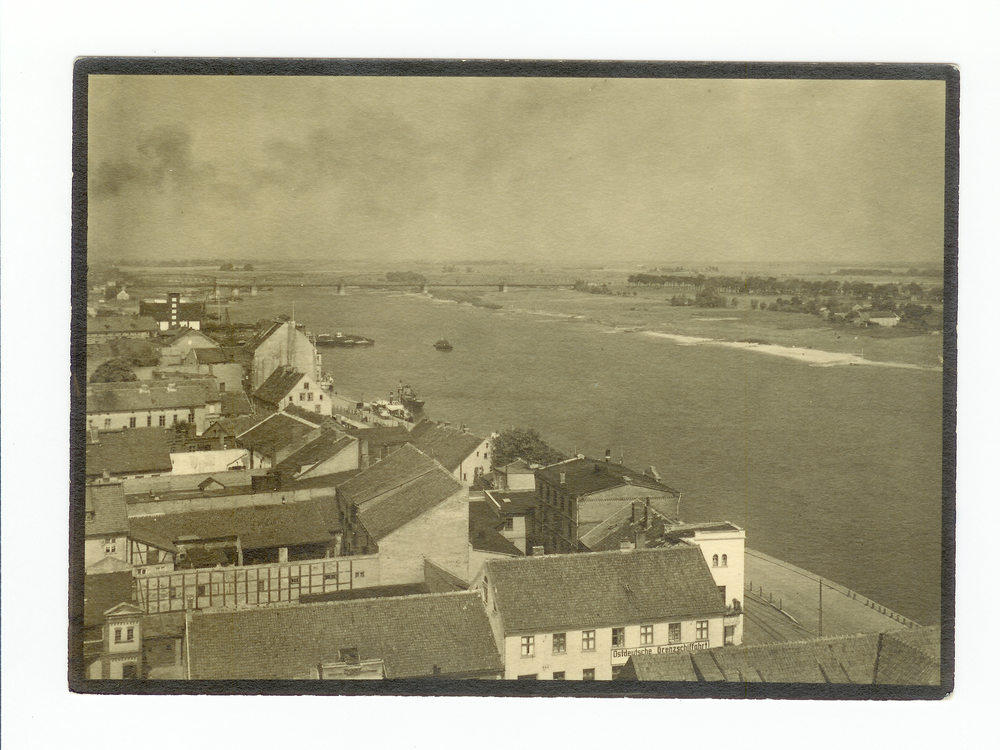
column 625, row 524
column 513, row 502
column 368, row 592
column 232, row 426
column 274, row 433
column 257, row 526
column 263, row 335
column 278, row 384
column 394, row 509
column 146, row 395
column 408, row 633
column 320, row 482
column 440, row 581
column 446, row 445
column 326, row 446
column 178, row 333
column 599, row 589
column 520, row 466
column 210, row 356
column 105, row 510
column 585, row 476
column 400, row 467
column 235, row 404
column 843, row 659
column 121, row 324
column 103, row 591
column 484, row 530
column 308, row 416
column 141, row 451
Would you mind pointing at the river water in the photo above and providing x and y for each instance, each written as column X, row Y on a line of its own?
column 834, row 469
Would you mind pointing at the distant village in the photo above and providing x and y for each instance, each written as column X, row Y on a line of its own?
column 245, row 518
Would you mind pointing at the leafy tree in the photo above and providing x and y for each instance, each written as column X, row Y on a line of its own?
column 521, row 442
column 226, row 267
column 114, row 371
column 135, row 352
column 248, row 267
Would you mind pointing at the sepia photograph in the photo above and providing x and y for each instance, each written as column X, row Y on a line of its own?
column 442, row 377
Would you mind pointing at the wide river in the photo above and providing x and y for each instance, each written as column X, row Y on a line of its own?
column 834, row 469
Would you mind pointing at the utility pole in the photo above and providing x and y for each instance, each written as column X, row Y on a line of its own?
column 820, row 607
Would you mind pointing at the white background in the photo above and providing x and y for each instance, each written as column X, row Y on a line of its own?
column 38, row 43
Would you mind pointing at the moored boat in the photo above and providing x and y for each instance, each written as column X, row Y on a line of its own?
column 343, row 339
column 408, row 397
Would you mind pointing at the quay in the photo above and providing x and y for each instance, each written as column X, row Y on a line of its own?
column 783, row 604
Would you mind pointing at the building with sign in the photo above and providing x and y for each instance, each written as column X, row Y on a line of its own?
column 582, row 616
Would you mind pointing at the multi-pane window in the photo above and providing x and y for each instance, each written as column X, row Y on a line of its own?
column 131, row 421
column 129, row 634
column 674, row 632
column 163, row 420
column 559, row 643
column 508, row 523
column 309, row 396
column 107, row 423
column 617, row 636
column 191, row 416
column 149, row 420
column 527, row 645
column 589, row 674
column 589, row 640
column 176, row 418
column 645, row 634
column 558, row 675
column 118, row 635
column 701, row 631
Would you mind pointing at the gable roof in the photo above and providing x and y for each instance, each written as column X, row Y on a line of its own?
column 140, row 451
column 105, row 510
column 236, row 404
column 121, row 324
column 865, row 659
column 446, row 445
column 512, row 502
column 263, row 335
column 484, row 530
column 103, row 591
column 210, row 356
column 146, row 395
column 326, row 446
column 257, row 526
column 312, row 417
column 585, row 476
column 600, row 589
column 274, row 433
column 398, row 489
column 405, row 632
column 382, row 435
column 183, row 331
column 278, row 385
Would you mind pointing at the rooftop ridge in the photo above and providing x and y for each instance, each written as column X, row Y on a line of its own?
column 341, row 603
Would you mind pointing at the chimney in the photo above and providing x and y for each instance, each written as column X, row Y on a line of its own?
column 106, row 475
column 607, row 456
column 562, row 477
column 537, row 550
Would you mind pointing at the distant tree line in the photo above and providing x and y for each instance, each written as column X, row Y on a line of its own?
column 862, row 290
column 406, row 277
column 520, row 442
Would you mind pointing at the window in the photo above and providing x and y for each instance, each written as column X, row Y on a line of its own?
column 305, row 386
column 722, row 590
column 359, row 574
column 163, row 420
column 107, row 423
column 321, row 397
column 645, row 635
column 730, row 635
column 130, row 634
column 559, row 643
column 118, row 635
column 725, row 560
column 309, row 396
column 316, row 410
column 176, row 418
column 201, row 590
column 617, row 636
column 527, row 645
column 588, row 674
column 674, row 632
column 173, row 592
column 329, row 576
column 261, row 585
column 486, row 455
column 558, row 675
column 222, row 387
column 152, row 556
column 191, row 416
column 508, row 523
column 715, row 561
column 131, row 421
column 302, row 396
column 289, row 399
column 294, row 580
column 589, row 640
column 701, row 631
column 149, row 420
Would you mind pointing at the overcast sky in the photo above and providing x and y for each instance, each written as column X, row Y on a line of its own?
column 570, row 170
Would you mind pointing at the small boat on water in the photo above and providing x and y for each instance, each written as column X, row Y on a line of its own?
column 408, row 397
column 343, row 339
column 443, row 346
